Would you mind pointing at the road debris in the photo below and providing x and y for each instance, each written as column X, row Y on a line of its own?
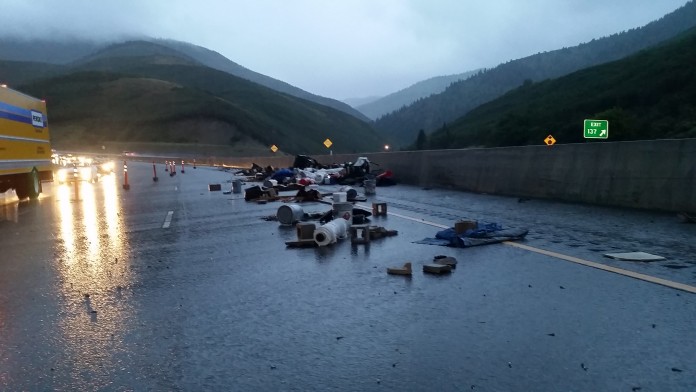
column 331, row 232
column 445, row 260
column 405, row 270
column 437, row 269
column 482, row 234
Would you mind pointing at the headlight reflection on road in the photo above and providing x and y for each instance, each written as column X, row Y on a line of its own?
column 67, row 225
column 89, row 218
column 112, row 210
column 9, row 211
column 93, row 235
column 96, row 278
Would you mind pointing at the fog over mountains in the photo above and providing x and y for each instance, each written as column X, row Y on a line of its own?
column 164, row 90
column 378, row 107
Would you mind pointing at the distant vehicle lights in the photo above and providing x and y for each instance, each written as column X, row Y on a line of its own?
column 87, row 173
column 107, row 167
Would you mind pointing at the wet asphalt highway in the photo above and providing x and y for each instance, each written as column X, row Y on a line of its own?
column 101, row 294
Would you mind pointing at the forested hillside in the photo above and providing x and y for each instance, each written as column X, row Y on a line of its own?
column 402, row 126
column 650, row 95
column 143, row 92
column 404, row 97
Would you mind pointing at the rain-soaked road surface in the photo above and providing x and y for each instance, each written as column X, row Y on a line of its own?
column 101, row 294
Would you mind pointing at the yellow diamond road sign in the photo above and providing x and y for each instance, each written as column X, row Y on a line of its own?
column 274, row 148
column 328, row 143
column 550, row 141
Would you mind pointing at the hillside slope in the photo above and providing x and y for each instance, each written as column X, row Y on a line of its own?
column 650, row 95
column 75, row 51
column 402, row 126
column 217, row 61
column 15, row 73
column 150, row 101
column 50, row 51
column 411, row 94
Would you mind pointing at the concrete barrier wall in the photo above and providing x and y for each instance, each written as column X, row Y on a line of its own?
column 658, row 174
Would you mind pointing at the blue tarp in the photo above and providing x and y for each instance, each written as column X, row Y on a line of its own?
column 483, row 234
column 282, row 174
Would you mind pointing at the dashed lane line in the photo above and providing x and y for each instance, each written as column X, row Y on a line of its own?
column 168, row 220
column 576, row 260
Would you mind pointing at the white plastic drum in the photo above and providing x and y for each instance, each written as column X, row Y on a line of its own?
column 343, row 210
column 289, row 214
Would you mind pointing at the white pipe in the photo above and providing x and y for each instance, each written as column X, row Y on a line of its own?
column 331, row 232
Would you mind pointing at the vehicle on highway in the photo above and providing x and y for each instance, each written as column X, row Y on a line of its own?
column 25, row 149
column 78, row 168
column 105, row 167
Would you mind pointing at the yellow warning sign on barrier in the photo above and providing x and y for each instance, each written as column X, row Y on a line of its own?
column 328, row 143
column 550, row 141
column 274, row 148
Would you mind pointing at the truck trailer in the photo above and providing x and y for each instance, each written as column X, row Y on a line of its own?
column 25, row 148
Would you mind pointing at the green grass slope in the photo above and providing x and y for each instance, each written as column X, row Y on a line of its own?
column 147, row 101
column 217, row 61
column 15, row 73
column 650, row 95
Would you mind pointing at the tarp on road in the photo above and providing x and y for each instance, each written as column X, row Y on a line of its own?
column 484, row 234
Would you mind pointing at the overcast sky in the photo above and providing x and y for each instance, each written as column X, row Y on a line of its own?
column 344, row 48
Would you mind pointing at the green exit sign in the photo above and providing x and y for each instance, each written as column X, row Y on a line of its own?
column 596, row 129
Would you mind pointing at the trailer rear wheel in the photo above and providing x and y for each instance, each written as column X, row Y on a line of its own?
column 29, row 186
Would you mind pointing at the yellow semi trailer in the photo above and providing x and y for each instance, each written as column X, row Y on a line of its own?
column 25, row 148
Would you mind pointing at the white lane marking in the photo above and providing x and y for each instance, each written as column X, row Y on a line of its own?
column 423, row 221
column 168, row 220
column 635, row 275
column 576, row 260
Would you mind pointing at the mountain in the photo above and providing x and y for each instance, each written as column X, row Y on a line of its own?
column 142, row 92
column 46, row 50
column 649, row 95
column 14, row 73
column 129, row 50
column 91, row 108
column 72, row 50
column 357, row 101
column 402, row 126
column 379, row 107
column 217, row 61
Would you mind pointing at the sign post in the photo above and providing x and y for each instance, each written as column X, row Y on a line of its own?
column 596, row 129
column 328, row 143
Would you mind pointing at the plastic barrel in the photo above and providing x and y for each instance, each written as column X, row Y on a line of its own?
column 237, row 186
column 270, row 183
column 289, row 214
column 343, row 210
column 370, row 186
column 351, row 193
